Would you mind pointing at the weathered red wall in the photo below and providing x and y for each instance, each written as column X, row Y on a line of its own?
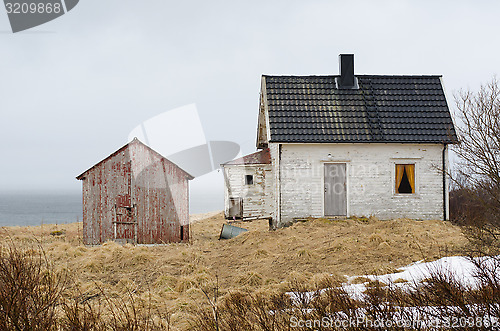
column 158, row 191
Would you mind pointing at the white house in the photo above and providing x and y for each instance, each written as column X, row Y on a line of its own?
column 346, row 145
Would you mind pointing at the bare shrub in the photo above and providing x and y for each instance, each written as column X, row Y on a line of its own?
column 437, row 302
column 35, row 296
column 475, row 200
column 103, row 312
column 30, row 289
column 80, row 314
column 239, row 310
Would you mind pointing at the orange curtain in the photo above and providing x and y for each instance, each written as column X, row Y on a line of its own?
column 399, row 175
column 410, row 173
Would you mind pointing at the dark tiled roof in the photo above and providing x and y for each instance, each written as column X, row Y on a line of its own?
column 260, row 157
column 405, row 109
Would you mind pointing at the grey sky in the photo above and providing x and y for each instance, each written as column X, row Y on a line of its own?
column 72, row 89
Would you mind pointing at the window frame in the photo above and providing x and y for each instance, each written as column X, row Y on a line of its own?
column 245, row 180
column 404, row 169
column 405, row 161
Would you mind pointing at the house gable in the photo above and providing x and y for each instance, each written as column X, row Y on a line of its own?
column 126, row 147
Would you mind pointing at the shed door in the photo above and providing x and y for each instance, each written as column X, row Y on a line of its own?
column 125, row 222
column 335, row 189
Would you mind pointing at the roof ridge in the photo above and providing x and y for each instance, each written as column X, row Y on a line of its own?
column 357, row 75
column 121, row 149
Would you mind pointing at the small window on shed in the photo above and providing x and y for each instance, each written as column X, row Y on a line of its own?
column 405, row 178
column 248, row 179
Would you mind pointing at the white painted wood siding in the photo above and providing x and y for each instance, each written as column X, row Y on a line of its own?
column 257, row 198
column 370, row 180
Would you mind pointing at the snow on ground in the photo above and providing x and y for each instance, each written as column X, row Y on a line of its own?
column 461, row 268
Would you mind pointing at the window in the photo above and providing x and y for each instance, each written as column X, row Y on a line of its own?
column 249, row 179
column 405, row 178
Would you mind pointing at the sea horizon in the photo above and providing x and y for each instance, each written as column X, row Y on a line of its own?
column 34, row 208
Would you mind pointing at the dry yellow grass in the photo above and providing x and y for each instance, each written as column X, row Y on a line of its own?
column 258, row 259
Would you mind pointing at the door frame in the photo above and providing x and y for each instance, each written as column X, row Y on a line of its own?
column 347, row 166
column 129, row 208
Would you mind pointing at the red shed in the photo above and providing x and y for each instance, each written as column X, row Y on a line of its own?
column 135, row 195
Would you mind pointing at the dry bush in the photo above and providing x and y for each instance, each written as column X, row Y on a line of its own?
column 442, row 299
column 470, row 208
column 30, row 289
column 80, row 314
column 245, row 311
column 36, row 296
column 475, row 200
column 102, row 311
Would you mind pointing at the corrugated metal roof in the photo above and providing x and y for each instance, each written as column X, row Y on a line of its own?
column 404, row 109
column 260, row 157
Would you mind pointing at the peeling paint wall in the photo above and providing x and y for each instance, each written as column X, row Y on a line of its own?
column 257, row 197
column 155, row 189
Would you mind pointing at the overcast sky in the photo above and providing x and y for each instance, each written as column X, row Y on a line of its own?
column 71, row 90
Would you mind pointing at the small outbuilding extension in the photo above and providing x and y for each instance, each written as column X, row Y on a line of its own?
column 137, row 196
column 247, row 194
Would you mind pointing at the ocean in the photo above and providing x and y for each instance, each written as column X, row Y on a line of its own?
column 25, row 209
column 36, row 208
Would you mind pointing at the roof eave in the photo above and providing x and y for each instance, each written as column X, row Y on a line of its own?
column 440, row 142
